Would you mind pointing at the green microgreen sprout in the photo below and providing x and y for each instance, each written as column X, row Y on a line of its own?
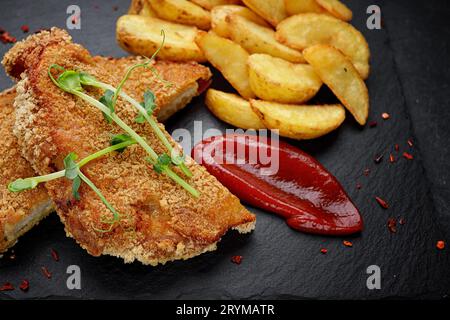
column 72, row 172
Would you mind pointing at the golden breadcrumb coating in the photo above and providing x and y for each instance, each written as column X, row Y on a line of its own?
column 19, row 212
column 162, row 221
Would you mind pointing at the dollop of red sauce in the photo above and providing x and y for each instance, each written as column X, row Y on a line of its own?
column 301, row 190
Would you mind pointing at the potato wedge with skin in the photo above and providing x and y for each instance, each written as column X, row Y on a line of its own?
column 337, row 9
column 141, row 7
column 219, row 14
column 210, row 4
column 278, row 80
column 257, row 39
column 338, row 73
column 299, row 121
column 302, row 6
column 272, row 11
column 182, row 11
column 229, row 58
column 142, row 36
column 232, row 109
column 304, row 30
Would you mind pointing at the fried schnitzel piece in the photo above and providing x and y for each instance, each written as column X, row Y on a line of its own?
column 163, row 222
column 19, row 212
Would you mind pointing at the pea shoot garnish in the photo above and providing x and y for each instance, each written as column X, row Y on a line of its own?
column 73, row 81
column 72, row 171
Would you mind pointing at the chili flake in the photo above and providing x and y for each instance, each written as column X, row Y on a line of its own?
column 391, row 158
column 358, row 186
column 347, row 243
column 323, row 251
column 25, row 285
column 366, row 172
column 408, row 156
column 378, row 159
column 7, row 286
column 382, row 203
column 440, row 245
column 25, row 28
column 410, row 143
column 236, row 259
column 55, row 255
column 6, row 37
column 402, row 221
column 385, row 115
column 46, row 272
column 392, row 225
column 396, row 147
column 373, row 124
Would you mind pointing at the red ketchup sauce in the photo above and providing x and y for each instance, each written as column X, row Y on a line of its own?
column 301, row 191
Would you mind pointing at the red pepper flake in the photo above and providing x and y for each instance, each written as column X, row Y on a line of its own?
column 75, row 19
column 46, row 272
column 382, row 203
column 347, row 243
column 385, row 115
column 358, row 186
column 391, row 158
column 378, row 159
column 25, row 285
column 366, row 172
column 7, row 286
column 408, row 156
column 323, row 251
column 397, row 147
column 410, row 143
column 236, row 259
column 401, row 221
column 6, row 37
column 440, row 245
column 373, row 124
column 55, row 255
column 392, row 225
column 25, row 28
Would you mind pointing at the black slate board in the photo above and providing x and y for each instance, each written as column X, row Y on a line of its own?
column 279, row 262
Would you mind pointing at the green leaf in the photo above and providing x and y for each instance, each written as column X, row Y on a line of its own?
column 107, row 100
column 120, row 138
column 22, row 185
column 162, row 163
column 149, row 105
column 71, row 166
column 70, row 81
column 75, row 187
column 87, row 80
column 178, row 160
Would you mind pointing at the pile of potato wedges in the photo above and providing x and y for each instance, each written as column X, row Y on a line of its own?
column 277, row 54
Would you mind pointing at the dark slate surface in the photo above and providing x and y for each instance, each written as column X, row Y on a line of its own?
column 409, row 80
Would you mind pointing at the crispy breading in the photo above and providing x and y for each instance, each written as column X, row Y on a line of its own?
column 19, row 212
column 162, row 222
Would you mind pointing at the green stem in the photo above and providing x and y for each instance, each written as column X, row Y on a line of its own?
column 156, row 129
column 137, row 138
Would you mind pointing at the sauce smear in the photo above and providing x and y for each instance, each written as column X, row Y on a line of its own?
column 281, row 179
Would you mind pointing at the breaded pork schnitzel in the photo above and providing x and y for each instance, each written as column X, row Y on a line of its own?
column 163, row 222
column 20, row 212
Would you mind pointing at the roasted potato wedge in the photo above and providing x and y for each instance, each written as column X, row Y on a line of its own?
column 210, row 4
column 232, row 109
column 299, row 121
column 302, row 6
column 257, row 39
column 337, row 9
column 141, row 7
column 278, row 80
column 219, row 13
column 229, row 58
column 142, row 35
column 338, row 73
column 182, row 11
column 307, row 29
column 272, row 11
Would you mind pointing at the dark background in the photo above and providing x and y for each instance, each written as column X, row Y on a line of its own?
column 409, row 80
